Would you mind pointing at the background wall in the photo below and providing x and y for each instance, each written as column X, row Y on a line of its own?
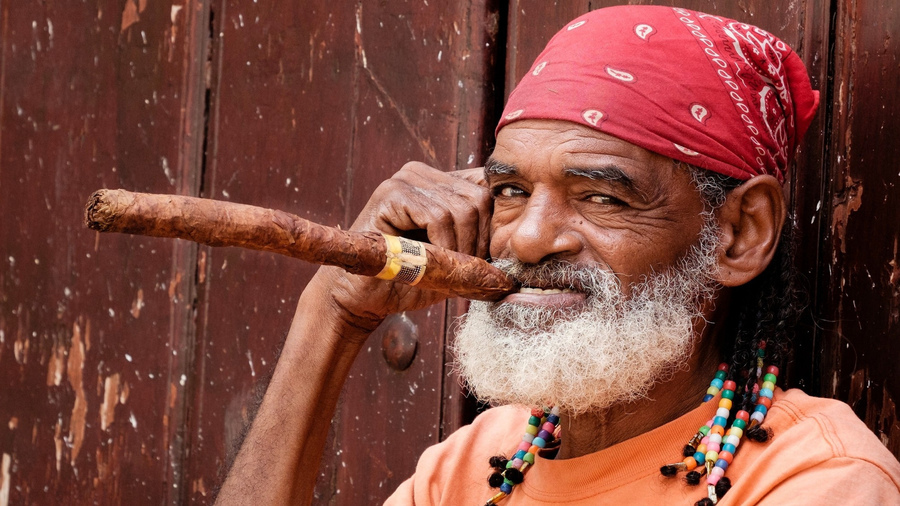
column 128, row 365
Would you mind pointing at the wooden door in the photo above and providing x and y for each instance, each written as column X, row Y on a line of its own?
column 128, row 365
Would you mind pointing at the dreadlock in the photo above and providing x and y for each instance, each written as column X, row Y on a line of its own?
column 768, row 308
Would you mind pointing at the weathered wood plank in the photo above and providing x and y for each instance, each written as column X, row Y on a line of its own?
column 91, row 329
column 860, row 277
column 312, row 107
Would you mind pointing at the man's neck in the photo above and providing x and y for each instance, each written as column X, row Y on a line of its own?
column 592, row 432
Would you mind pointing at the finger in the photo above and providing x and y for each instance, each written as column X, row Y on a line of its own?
column 475, row 176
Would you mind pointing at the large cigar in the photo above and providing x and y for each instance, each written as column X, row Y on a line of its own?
column 217, row 223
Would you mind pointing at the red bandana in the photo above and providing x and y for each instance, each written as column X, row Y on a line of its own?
column 712, row 92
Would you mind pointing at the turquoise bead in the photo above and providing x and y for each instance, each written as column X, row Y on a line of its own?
column 521, row 453
column 717, row 383
column 720, row 421
column 761, row 409
column 539, row 442
column 728, row 447
column 765, row 392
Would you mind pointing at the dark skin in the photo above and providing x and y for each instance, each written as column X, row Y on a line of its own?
column 554, row 190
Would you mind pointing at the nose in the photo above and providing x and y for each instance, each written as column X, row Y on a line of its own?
column 543, row 232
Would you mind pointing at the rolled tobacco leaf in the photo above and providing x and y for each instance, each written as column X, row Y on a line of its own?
column 218, row 223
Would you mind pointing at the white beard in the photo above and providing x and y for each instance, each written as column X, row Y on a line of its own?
column 611, row 350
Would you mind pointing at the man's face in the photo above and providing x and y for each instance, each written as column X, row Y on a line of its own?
column 615, row 257
column 567, row 192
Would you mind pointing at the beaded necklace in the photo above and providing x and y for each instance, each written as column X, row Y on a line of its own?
column 541, row 431
column 709, row 451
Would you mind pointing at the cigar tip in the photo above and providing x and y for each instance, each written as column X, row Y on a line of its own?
column 96, row 211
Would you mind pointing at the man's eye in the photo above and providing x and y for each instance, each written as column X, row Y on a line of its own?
column 508, row 191
column 605, row 200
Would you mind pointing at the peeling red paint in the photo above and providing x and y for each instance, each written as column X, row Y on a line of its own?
column 56, row 365
column 79, row 410
column 843, row 204
column 110, row 399
column 137, row 304
column 5, row 479
column 894, row 284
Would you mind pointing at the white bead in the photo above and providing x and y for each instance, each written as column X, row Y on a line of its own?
column 528, row 438
column 715, row 438
column 758, row 416
column 554, row 410
column 734, row 440
column 723, row 412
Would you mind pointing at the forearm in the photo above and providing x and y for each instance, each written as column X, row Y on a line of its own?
column 279, row 459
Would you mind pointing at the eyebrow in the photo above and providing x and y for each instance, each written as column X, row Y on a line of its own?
column 610, row 173
column 493, row 167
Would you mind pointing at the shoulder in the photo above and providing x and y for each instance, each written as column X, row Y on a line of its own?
column 455, row 471
column 820, row 451
column 828, row 424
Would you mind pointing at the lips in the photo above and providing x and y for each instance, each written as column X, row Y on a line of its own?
column 559, row 298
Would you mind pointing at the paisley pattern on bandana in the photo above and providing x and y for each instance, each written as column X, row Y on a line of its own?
column 706, row 90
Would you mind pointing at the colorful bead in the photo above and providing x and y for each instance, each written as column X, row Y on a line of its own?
column 546, row 436
column 537, row 413
column 766, row 392
column 728, row 394
column 539, row 442
column 728, row 447
column 725, row 403
column 534, row 420
column 531, row 429
column 528, row 437
column 506, row 488
column 716, row 383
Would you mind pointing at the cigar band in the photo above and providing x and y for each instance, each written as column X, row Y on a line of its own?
column 405, row 262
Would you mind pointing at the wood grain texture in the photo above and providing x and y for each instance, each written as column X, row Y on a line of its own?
column 92, row 329
column 858, row 266
column 312, row 106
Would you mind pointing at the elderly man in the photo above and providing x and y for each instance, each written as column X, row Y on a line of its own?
column 635, row 194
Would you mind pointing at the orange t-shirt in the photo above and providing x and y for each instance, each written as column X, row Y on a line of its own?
column 821, row 453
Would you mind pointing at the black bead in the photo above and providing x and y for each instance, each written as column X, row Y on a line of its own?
column 692, row 478
column 668, row 470
column 688, row 451
column 514, row 475
column 498, row 462
column 495, row 480
column 706, row 501
column 723, row 486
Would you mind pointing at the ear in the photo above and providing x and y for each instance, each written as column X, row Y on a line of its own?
column 750, row 223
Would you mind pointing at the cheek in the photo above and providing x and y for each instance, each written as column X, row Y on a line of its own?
column 500, row 233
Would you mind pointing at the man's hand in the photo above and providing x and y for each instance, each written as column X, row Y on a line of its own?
column 279, row 460
column 451, row 210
